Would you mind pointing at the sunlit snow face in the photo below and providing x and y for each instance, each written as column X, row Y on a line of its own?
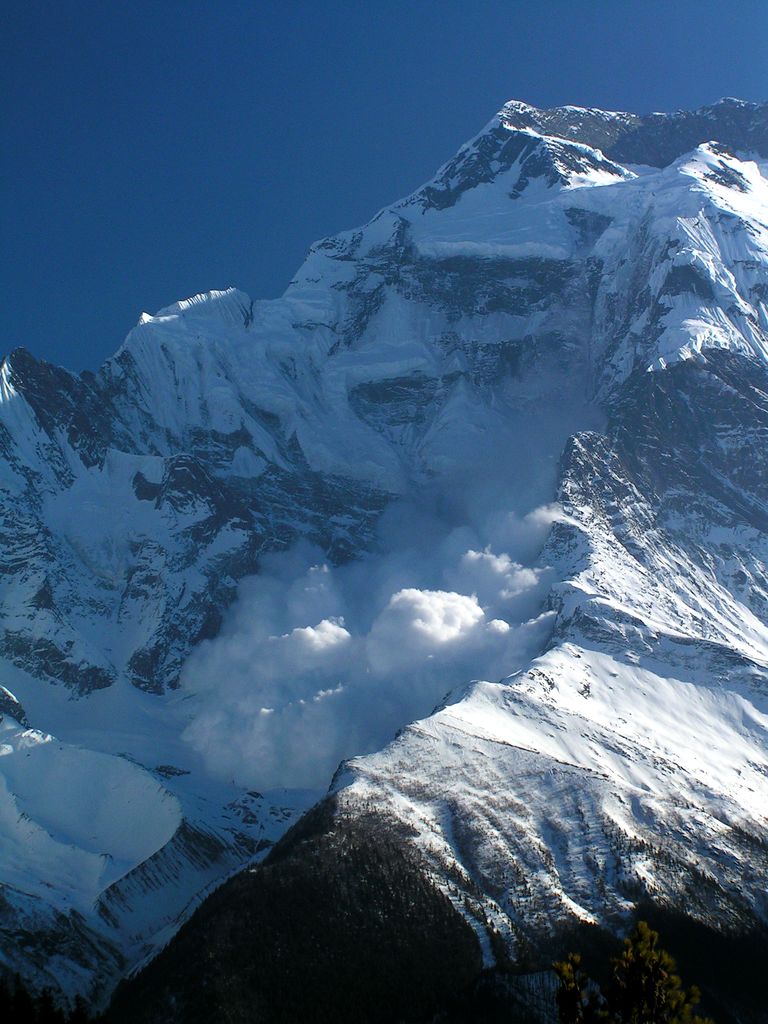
column 317, row 663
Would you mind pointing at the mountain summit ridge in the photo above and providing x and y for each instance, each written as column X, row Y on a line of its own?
column 620, row 134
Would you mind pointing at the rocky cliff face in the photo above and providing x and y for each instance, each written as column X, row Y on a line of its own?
column 573, row 310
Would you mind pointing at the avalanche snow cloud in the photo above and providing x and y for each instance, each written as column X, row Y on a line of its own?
column 317, row 663
column 512, row 430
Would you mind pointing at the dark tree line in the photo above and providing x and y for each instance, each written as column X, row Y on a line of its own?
column 340, row 925
column 19, row 1006
column 359, row 968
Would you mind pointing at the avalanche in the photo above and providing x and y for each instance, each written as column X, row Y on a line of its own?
column 512, row 429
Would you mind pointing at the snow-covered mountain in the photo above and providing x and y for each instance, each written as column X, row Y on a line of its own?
column 559, row 347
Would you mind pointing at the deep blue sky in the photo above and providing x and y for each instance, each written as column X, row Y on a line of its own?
column 157, row 149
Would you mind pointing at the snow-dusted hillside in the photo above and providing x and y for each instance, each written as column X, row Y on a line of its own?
column 512, row 430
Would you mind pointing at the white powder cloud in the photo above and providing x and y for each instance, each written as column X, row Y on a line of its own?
column 316, row 663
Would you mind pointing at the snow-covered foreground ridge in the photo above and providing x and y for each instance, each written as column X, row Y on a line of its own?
column 573, row 310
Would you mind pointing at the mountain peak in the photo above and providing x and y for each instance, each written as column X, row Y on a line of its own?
column 230, row 304
column 588, row 537
column 734, row 101
column 655, row 139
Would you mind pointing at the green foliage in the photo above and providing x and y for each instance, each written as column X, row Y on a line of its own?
column 576, row 1004
column 644, row 988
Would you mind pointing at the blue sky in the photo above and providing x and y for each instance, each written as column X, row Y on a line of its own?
column 156, row 149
